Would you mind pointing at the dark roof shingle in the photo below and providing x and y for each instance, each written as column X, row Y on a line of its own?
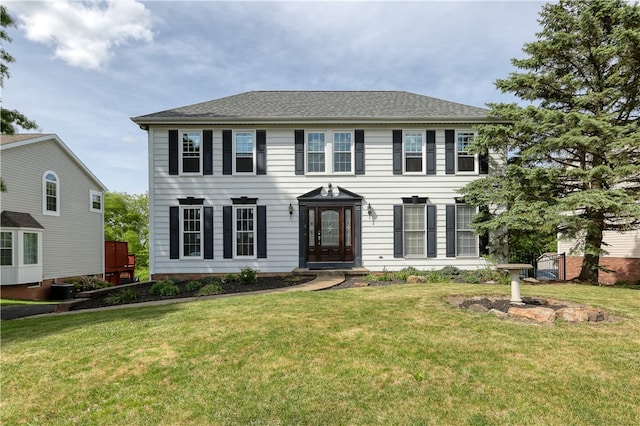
column 18, row 220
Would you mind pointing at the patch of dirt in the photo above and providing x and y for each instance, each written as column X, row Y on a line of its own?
column 503, row 305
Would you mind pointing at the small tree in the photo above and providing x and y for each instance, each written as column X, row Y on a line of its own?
column 575, row 150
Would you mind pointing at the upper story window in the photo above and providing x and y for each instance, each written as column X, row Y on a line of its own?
column 413, row 152
column 95, row 201
column 191, row 232
column 244, row 149
column 50, row 194
column 330, row 152
column 466, row 161
column 191, row 152
column 6, row 248
column 466, row 239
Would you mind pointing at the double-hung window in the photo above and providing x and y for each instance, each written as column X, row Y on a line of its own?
column 413, row 152
column 466, row 239
column 245, row 231
column 244, row 149
column 6, row 248
column 50, row 194
column 95, row 201
column 191, row 152
column 466, row 161
column 330, row 151
column 414, row 230
column 191, row 232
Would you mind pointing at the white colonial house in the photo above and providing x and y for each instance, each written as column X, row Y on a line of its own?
column 52, row 221
column 280, row 180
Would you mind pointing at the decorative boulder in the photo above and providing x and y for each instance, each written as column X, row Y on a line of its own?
column 543, row 315
column 414, row 279
column 573, row 314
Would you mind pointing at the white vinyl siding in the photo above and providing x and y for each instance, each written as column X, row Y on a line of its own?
column 379, row 187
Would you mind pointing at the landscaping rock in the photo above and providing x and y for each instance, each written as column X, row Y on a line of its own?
column 477, row 308
column 595, row 315
column 360, row 284
column 573, row 314
column 498, row 313
column 542, row 315
column 415, row 279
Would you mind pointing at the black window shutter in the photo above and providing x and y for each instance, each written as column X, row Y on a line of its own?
column 484, row 238
column 207, row 152
column 432, row 249
column 261, row 152
column 450, row 228
column 398, row 249
column 450, row 151
column 173, row 152
column 208, row 232
column 359, row 137
column 431, row 152
column 227, row 232
column 227, row 152
column 262, row 232
column 174, row 232
column 483, row 162
column 299, row 144
column 397, row 152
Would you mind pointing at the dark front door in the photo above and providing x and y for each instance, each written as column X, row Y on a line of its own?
column 330, row 234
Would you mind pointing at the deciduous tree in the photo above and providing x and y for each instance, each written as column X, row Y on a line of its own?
column 575, row 146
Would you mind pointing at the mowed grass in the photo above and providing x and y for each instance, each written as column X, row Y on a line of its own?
column 395, row 355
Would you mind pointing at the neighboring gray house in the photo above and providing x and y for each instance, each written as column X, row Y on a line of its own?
column 52, row 220
column 279, row 180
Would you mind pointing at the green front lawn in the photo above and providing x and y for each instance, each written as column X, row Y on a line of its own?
column 392, row 355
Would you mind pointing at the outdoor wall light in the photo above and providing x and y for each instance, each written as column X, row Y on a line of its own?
column 369, row 210
column 290, row 209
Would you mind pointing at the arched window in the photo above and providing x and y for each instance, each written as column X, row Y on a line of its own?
column 50, row 194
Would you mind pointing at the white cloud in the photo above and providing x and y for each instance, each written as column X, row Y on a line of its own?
column 85, row 34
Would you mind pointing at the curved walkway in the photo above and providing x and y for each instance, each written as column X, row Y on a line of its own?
column 322, row 281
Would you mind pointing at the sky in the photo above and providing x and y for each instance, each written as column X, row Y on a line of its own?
column 82, row 69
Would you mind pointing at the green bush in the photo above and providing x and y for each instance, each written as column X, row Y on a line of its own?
column 194, row 285
column 124, row 296
column 164, row 288
column 435, row 277
column 403, row 274
column 88, row 283
column 450, row 271
column 248, row 276
column 229, row 278
column 210, row 289
column 211, row 280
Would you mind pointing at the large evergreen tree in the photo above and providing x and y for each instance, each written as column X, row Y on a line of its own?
column 9, row 117
column 575, row 148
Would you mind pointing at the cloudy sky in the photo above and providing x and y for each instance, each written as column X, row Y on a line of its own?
column 82, row 69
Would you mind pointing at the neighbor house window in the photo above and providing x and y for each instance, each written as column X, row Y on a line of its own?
column 6, row 248
column 413, row 152
column 192, row 232
column 244, row 149
column 50, row 194
column 95, row 201
column 414, row 230
column 466, row 160
column 466, row 240
column 30, row 248
column 191, row 152
column 245, row 231
column 330, row 152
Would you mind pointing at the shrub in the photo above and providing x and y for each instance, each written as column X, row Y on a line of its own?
column 88, row 283
column 248, row 276
column 194, row 285
column 229, row 278
column 435, row 277
column 450, row 271
column 210, row 280
column 124, row 296
column 164, row 288
column 210, row 289
column 403, row 274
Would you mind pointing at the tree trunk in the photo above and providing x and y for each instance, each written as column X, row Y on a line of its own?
column 591, row 259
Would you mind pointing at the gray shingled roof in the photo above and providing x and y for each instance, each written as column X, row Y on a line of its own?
column 319, row 105
column 18, row 220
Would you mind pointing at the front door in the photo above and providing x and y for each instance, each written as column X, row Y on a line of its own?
column 330, row 234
